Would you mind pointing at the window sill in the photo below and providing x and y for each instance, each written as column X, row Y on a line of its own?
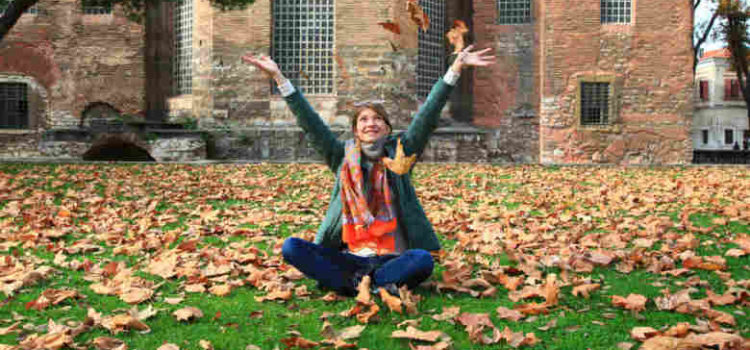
column 17, row 131
column 604, row 128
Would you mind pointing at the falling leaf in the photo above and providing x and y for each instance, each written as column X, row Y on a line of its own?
column 417, row 15
column 456, row 35
column 187, row 313
column 400, row 164
column 391, row 27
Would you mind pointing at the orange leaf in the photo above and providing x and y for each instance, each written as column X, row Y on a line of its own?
column 635, row 302
column 393, row 302
column 456, row 35
column 417, row 15
column 391, row 27
column 416, row 334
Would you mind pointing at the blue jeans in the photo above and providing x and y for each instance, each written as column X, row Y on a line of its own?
column 334, row 269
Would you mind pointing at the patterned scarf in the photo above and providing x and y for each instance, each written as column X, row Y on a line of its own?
column 366, row 224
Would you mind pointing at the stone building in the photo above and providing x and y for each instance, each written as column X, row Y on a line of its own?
column 720, row 121
column 589, row 81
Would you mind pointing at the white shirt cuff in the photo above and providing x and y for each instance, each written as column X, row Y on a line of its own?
column 286, row 88
column 451, row 77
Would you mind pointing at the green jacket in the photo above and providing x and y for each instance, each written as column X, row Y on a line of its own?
column 411, row 218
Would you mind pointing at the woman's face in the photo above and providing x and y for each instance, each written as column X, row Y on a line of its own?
column 370, row 126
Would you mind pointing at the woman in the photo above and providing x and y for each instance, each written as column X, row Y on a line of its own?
column 375, row 224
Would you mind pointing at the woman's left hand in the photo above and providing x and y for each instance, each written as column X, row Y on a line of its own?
column 479, row 58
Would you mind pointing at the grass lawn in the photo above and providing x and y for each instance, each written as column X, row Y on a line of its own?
column 154, row 235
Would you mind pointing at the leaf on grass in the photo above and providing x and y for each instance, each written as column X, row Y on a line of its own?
column 187, row 313
column 10, row 329
column 173, row 301
column 365, row 317
column 585, row 289
column 123, row 322
column 508, row 314
column 168, row 346
column 144, row 314
column 643, row 333
column 679, row 331
column 331, row 297
column 299, row 342
column 393, row 302
column 409, row 300
column 135, row 295
column 363, row 289
column 635, row 302
column 107, row 343
column 205, row 344
column 221, row 290
column 532, row 308
column 716, row 299
column 416, row 334
column 276, row 295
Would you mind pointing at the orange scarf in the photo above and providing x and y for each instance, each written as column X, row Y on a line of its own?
column 367, row 224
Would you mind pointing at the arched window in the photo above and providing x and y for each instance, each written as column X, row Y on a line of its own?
column 303, row 43
column 14, row 106
column 431, row 56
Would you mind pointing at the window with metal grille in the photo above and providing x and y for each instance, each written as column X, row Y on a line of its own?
column 431, row 55
column 96, row 7
column 303, row 43
column 616, row 11
column 14, row 106
column 182, row 69
column 594, row 103
column 704, row 134
column 728, row 136
column 513, row 11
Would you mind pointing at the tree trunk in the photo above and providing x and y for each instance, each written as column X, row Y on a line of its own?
column 15, row 9
column 159, row 50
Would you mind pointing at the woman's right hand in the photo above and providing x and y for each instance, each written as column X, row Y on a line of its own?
column 265, row 64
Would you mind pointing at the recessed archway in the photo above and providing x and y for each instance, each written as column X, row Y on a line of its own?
column 117, row 149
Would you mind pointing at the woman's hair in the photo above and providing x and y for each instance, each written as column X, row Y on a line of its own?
column 376, row 106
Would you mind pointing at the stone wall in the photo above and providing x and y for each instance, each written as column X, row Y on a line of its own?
column 648, row 62
column 70, row 60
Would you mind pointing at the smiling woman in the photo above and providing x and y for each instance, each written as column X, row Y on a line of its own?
column 375, row 226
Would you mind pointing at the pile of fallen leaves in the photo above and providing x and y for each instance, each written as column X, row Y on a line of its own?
column 554, row 228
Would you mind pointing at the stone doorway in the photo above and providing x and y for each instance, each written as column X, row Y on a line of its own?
column 117, row 149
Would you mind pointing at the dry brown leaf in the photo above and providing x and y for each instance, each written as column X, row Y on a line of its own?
column 456, row 35
column 365, row 317
column 408, row 300
column 449, row 313
column 725, row 299
column 276, row 295
column 173, row 301
column 299, row 342
column 635, row 302
column 585, row 289
column 107, row 343
column 643, row 333
column 205, row 345
column 508, row 314
column 417, row 15
column 221, row 290
column 136, row 295
column 187, row 313
column 123, row 322
column 168, row 346
column 532, row 308
column 679, row 331
column 363, row 295
column 393, row 302
column 10, row 329
column 415, row 334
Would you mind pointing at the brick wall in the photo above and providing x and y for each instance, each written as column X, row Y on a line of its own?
column 649, row 65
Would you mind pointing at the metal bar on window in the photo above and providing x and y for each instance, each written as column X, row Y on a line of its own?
column 594, row 103
column 182, row 70
column 616, row 11
column 96, row 7
column 514, row 11
column 14, row 106
column 303, row 43
column 431, row 54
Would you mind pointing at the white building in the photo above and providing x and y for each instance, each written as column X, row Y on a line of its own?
column 720, row 120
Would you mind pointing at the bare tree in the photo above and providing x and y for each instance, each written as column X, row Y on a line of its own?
column 734, row 32
column 703, row 28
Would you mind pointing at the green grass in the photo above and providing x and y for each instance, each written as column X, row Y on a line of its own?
column 113, row 199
